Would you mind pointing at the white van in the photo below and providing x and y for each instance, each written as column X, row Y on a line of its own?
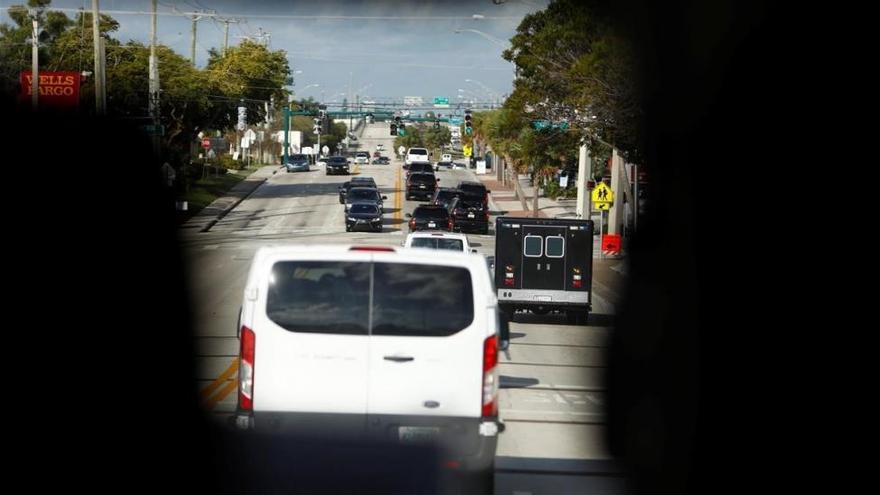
column 379, row 342
column 416, row 155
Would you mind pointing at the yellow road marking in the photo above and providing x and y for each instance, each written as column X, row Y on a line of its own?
column 223, row 378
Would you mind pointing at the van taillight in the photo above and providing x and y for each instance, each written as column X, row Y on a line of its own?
column 490, row 379
column 577, row 281
column 450, row 224
column 412, row 223
column 246, row 370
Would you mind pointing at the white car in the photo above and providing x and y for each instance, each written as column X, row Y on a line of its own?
column 416, row 155
column 439, row 240
column 362, row 157
column 367, row 341
column 445, row 157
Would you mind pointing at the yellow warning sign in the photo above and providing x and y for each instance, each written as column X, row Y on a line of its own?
column 603, row 197
column 467, row 149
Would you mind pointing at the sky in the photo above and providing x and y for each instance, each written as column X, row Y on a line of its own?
column 373, row 58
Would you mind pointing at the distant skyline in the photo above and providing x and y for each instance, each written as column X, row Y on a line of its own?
column 383, row 58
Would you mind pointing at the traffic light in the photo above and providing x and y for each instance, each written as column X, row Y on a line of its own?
column 436, row 124
column 317, row 128
column 393, row 129
column 468, row 126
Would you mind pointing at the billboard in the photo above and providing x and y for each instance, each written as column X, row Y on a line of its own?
column 57, row 89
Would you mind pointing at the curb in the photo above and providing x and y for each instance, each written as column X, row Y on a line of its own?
column 225, row 211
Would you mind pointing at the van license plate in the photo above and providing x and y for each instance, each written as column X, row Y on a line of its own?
column 422, row 186
column 432, row 224
column 470, row 215
column 543, row 298
column 417, row 433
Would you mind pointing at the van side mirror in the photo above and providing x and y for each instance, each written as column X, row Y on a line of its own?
column 384, row 197
column 473, row 250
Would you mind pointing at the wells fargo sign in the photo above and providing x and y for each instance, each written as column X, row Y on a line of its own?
column 56, row 88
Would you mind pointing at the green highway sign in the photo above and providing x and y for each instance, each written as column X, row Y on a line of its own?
column 441, row 101
column 456, row 120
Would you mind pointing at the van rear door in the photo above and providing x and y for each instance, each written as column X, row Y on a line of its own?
column 312, row 343
column 543, row 257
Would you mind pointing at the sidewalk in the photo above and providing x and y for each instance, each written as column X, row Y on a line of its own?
column 209, row 215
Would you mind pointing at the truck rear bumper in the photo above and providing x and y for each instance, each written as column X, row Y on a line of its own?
column 530, row 297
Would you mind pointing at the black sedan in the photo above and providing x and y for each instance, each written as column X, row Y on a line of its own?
column 360, row 195
column 363, row 216
column 337, row 165
column 429, row 217
column 382, row 160
column 355, row 182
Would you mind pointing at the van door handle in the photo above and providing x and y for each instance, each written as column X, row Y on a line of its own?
column 398, row 359
column 539, row 266
column 548, row 266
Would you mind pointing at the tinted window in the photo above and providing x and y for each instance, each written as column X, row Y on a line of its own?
column 356, row 194
column 364, row 209
column 422, row 179
column 473, row 189
column 555, row 247
column 431, row 213
column 533, row 246
column 299, row 158
column 438, row 243
column 320, row 296
column 338, row 159
column 421, row 300
column 469, row 202
column 418, row 152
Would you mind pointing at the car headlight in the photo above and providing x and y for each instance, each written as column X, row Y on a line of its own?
column 350, row 219
column 347, row 206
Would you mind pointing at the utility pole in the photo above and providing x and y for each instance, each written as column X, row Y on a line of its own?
column 195, row 19
column 99, row 81
column 154, row 82
column 226, row 23
column 584, row 174
column 35, row 63
column 102, row 48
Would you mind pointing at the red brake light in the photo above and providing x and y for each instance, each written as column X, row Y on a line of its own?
column 509, row 282
column 577, row 284
column 246, row 370
column 490, row 380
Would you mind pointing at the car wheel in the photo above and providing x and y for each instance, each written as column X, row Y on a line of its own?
column 482, row 483
column 347, row 228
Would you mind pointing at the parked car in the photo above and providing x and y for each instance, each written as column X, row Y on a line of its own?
column 446, row 157
column 355, row 182
column 439, row 240
column 337, row 165
column 360, row 195
column 334, row 340
column 421, row 185
column 297, row 163
column 363, row 215
column 429, row 217
column 468, row 213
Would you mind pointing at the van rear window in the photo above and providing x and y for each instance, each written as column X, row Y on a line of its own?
column 320, row 296
column 334, row 297
column 421, row 300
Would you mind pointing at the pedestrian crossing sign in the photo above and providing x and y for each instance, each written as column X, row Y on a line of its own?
column 602, row 194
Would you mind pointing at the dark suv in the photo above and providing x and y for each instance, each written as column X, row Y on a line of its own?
column 421, row 185
column 361, row 195
column 468, row 214
column 355, row 182
column 475, row 189
column 443, row 195
column 419, row 167
column 429, row 217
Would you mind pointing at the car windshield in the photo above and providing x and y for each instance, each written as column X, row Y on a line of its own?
column 337, row 159
column 298, row 158
column 360, row 193
column 418, row 152
column 470, row 202
column 446, row 195
column 438, row 243
column 366, row 209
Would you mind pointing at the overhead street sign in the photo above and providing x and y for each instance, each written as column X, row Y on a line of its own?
column 441, row 102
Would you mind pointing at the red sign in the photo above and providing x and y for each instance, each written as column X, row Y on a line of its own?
column 58, row 89
column 206, row 143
